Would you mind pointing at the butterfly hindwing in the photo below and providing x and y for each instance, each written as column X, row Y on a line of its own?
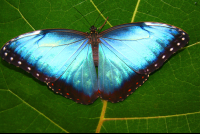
column 79, row 82
column 59, row 57
column 116, row 79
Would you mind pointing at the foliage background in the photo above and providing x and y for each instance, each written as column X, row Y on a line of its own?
column 168, row 102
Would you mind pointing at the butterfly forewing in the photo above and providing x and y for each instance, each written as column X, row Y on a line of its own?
column 144, row 46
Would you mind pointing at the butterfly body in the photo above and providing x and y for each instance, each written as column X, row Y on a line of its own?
column 93, row 37
column 125, row 55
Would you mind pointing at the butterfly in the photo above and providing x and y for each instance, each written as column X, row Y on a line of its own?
column 125, row 55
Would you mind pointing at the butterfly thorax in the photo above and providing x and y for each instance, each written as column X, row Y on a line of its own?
column 94, row 41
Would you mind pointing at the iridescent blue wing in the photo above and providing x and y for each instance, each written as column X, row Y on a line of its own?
column 61, row 58
column 115, row 78
column 129, row 52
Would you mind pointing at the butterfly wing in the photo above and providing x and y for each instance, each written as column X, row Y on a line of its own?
column 135, row 50
column 115, row 78
column 61, row 58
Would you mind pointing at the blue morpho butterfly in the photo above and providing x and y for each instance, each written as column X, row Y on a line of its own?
column 125, row 55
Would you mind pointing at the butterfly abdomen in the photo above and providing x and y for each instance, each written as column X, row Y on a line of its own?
column 94, row 41
column 95, row 54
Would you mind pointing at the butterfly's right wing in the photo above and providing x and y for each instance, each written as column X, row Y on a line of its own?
column 79, row 81
column 62, row 58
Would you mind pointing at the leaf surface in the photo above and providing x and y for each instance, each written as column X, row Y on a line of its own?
column 168, row 102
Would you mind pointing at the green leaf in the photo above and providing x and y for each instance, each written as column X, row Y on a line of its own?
column 168, row 102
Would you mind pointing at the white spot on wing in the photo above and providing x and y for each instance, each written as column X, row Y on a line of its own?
column 19, row 62
column 29, row 34
column 29, row 68
column 148, row 23
column 171, row 49
column 5, row 54
column 158, row 24
column 37, row 74
column 11, row 58
column 178, row 44
column 36, row 32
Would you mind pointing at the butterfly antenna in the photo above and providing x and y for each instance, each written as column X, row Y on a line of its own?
column 83, row 16
column 82, row 22
column 98, row 17
column 103, row 24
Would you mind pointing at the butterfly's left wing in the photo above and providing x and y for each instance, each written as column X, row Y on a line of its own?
column 116, row 80
column 60, row 57
column 129, row 52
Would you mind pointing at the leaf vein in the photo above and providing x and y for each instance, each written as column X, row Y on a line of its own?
column 39, row 112
column 21, row 15
column 134, row 13
column 153, row 117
